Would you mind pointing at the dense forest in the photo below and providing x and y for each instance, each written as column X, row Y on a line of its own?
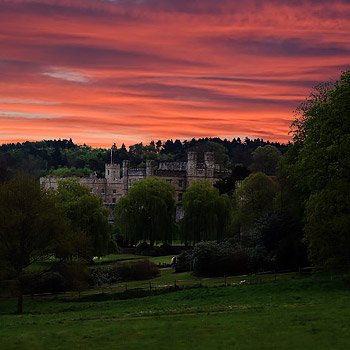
column 65, row 158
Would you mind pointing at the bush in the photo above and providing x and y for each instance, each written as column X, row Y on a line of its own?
column 219, row 259
column 184, row 261
column 140, row 270
column 224, row 258
column 166, row 249
column 64, row 277
column 100, row 276
column 75, row 275
column 141, row 247
column 145, row 249
column 52, row 282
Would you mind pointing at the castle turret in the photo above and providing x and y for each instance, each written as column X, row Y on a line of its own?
column 149, row 168
column 125, row 171
column 191, row 163
column 209, row 164
column 112, row 172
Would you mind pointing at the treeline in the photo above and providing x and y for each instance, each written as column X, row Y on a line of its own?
column 65, row 158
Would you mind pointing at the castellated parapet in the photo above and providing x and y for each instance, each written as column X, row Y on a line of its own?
column 118, row 180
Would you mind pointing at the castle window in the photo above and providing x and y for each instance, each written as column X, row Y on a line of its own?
column 179, row 197
column 107, row 172
column 181, row 183
column 114, row 191
column 91, row 190
column 114, row 200
column 102, row 190
column 168, row 181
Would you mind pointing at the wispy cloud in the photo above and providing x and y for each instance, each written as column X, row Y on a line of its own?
column 28, row 115
column 71, row 76
column 24, row 101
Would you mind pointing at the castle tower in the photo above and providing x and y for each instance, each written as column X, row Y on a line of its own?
column 191, row 164
column 209, row 164
column 149, row 168
column 112, row 172
column 125, row 171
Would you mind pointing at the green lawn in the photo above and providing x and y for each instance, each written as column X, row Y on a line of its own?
column 296, row 312
column 112, row 258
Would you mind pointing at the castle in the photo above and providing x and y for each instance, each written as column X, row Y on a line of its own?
column 118, row 179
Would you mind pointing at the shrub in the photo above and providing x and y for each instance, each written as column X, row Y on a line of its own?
column 141, row 247
column 75, row 275
column 140, row 270
column 99, row 276
column 166, row 249
column 145, row 249
column 184, row 261
column 64, row 277
column 51, row 282
column 219, row 259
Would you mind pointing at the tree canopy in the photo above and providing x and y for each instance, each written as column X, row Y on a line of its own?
column 147, row 212
column 319, row 164
column 30, row 227
column 266, row 159
column 254, row 199
column 87, row 216
column 207, row 214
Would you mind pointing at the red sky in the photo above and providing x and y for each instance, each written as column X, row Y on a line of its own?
column 104, row 71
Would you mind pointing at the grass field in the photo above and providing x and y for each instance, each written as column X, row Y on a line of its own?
column 293, row 313
column 112, row 258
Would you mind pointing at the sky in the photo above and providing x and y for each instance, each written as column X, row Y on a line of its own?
column 105, row 71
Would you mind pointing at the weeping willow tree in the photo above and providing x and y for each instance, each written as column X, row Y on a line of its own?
column 147, row 213
column 207, row 214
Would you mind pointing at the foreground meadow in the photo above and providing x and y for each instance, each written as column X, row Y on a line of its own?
column 311, row 312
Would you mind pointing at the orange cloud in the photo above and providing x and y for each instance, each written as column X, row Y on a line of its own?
column 109, row 71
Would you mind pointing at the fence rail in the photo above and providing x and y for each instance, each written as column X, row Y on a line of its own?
column 119, row 287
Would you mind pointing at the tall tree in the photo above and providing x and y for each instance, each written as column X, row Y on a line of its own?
column 266, row 159
column 86, row 214
column 254, row 199
column 320, row 167
column 30, row 225
column 147, row 212
column 207, row 214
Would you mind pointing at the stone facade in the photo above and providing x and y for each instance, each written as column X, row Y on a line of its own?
column 118, row 179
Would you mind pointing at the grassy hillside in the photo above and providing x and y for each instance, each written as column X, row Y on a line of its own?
column 299, row 313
